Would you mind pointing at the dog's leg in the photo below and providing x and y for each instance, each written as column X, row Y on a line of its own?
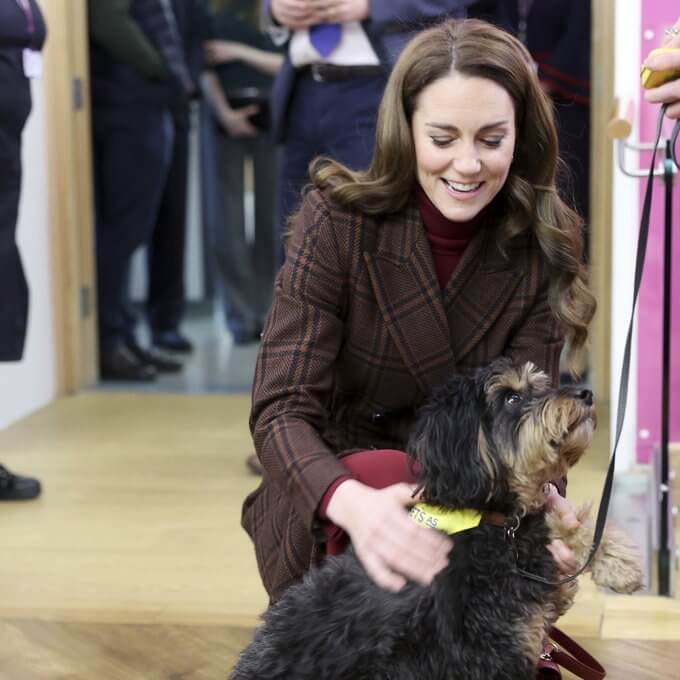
column 617, row 563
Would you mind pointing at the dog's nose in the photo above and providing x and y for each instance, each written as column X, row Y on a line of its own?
column 587, row 396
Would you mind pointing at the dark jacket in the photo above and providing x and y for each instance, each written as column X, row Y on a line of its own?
column 127, row 68
column 358, row 335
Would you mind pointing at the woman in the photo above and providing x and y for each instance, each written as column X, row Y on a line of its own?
column 451, row 250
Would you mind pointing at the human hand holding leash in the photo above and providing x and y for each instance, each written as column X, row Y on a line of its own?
column 392, row 548
column 668, row 92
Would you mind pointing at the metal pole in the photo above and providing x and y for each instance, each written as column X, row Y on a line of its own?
column 664, row 528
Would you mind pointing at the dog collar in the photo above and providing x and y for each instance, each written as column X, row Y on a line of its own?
column 452, row 521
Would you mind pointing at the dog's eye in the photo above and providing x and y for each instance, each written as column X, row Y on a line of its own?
column 513, row 398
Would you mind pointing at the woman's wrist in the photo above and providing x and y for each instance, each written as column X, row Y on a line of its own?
column 343, row 501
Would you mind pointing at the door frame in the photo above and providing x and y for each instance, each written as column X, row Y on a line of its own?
column 71, row 207
column 601, row 171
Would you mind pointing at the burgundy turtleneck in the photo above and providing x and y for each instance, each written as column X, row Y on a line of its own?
column 447, row 239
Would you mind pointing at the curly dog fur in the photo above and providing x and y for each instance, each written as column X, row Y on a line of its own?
column 489, row 442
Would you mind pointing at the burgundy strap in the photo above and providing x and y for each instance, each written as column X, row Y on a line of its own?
column 569, row 654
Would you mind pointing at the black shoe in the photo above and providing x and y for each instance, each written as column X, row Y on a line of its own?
column 155, row 358
column 17, row 488
column 173, row 341
column 122, row 364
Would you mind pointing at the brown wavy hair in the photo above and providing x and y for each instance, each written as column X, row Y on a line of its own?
column 527, row 202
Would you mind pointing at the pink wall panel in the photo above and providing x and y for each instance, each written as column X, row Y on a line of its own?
column 656, row 15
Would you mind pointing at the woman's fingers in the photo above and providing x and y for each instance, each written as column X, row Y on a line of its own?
column 396, row 557
column 381, row 574
column 563, row 556
column 560, row 505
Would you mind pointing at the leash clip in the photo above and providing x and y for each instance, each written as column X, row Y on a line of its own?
column 548, row 650
column 511, row 526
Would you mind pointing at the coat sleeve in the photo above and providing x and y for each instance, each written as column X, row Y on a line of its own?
column 112, row 27
column 294, row 372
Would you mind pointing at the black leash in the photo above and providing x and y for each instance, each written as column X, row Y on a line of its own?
column 625, row 367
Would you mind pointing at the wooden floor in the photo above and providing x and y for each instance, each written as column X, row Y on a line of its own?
column 133, row 565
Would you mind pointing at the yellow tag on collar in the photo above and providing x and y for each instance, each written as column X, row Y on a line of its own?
column 447, row 521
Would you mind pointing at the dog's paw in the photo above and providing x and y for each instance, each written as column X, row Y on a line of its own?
column 617, row 565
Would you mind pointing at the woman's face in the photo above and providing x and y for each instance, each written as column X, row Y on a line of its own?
column 464, row 136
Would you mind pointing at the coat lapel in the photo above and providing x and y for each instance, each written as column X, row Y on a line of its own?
column 405, row 285
column 478, row 292
column 435, row 330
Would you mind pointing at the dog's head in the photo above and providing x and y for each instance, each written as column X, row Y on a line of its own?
column 491, row 440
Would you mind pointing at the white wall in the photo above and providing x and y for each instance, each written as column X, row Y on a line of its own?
column 625, row 223
column 31, row 383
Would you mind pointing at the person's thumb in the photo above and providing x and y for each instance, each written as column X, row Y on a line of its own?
column 406, row 494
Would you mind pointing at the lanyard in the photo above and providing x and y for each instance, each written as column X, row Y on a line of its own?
column 25, row 6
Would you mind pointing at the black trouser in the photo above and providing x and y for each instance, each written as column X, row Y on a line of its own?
column 15, row 105
column 165, row 255
column 131, row 161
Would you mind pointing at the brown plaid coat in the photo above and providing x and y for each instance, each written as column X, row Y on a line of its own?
column 358, row 334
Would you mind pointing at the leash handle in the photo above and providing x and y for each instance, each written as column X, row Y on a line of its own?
column 570, row 655
column 625, row 365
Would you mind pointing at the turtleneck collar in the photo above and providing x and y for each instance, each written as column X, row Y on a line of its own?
column 438, row 225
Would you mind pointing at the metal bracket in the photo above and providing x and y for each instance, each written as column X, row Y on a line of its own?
column 622, row 145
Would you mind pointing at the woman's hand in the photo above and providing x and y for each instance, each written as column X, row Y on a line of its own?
column 294, row 14
column 340, row 11
column 221, row 51
column 391, row 546
column 237, row 121
column 563, row 556
column 668, row 93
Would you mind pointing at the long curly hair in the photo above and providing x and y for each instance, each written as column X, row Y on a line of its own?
column 529, row 200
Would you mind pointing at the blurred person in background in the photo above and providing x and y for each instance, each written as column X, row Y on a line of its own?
column 338, row 56
column 235, row 128
column 167, row 247
column 22, row 35
column 557, row 34
column 139, row 79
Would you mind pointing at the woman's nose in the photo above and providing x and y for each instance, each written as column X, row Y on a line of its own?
column 467, row 164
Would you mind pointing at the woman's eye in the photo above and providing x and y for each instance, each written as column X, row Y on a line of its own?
column 441, row 141
column 513, row 398
column 492, row 143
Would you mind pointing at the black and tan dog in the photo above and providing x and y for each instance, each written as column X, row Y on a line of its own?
column 488, row 443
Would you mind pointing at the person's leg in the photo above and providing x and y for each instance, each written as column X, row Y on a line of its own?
column 350, row 128
column 131, row 157
column 232, row 253
column 13, row 286
column 303, row 141
column 166, row 250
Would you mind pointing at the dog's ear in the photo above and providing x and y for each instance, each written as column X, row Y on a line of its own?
column 457, row 467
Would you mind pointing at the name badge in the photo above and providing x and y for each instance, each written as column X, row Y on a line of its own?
column 33, row 65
